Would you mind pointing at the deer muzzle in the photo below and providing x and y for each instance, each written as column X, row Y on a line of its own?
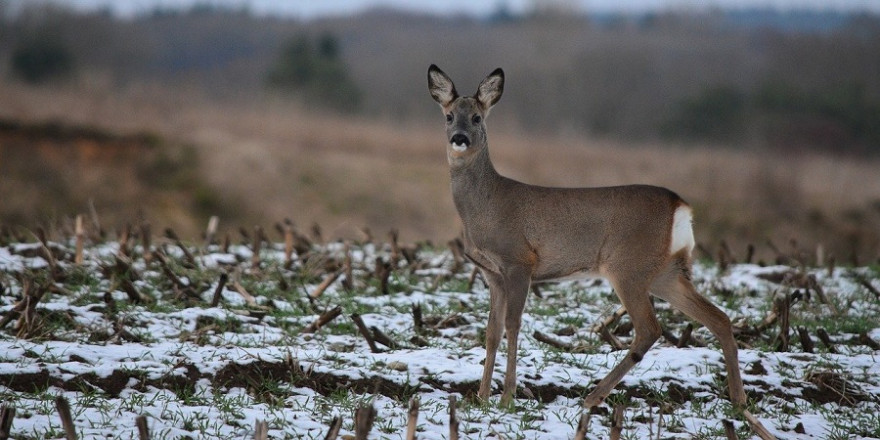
column 459, row 142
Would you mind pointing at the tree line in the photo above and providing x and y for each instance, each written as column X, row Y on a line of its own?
column 675, row 76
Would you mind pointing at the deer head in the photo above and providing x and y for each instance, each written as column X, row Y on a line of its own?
column 465, row 115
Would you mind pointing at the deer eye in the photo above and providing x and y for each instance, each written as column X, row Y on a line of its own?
column 449, row 117
column 477, row 119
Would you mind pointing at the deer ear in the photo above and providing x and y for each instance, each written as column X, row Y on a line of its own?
column 441, row 87
column 491, row 88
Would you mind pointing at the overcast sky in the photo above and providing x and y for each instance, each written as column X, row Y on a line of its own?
column 312, row 8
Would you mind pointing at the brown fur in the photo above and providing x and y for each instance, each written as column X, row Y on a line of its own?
column 518, row 233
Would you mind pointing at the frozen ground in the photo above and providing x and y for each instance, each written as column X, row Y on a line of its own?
column 197, row 371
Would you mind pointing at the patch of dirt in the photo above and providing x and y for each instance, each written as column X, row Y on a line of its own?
column 53, row 167
column 830, row 387
column 820, row 388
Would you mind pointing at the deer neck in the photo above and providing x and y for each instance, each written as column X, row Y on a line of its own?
column 474, row 182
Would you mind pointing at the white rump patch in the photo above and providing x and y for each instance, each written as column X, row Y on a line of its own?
column 682, row 230
column 459, row 147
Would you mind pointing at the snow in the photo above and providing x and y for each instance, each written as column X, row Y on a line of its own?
column 173, row 349
column 11, row 261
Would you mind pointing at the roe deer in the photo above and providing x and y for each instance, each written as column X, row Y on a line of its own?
column 638, row 237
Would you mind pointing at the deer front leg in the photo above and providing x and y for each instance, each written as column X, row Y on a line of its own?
column 494, row 328
column 516, row 290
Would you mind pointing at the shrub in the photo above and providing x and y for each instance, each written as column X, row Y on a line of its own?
column 42, row 59
column 717, row 113
column 316, row 72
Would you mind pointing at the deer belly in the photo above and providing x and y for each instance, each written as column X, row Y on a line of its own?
column 573, row 276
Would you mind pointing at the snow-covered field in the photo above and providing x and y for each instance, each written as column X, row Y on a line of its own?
column 197, row 371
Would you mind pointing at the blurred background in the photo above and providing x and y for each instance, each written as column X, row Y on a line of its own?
column 764, row 115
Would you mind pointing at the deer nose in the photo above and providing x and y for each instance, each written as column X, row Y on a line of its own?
column 460, row 139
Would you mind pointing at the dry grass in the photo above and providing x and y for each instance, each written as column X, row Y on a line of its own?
column 272, row 160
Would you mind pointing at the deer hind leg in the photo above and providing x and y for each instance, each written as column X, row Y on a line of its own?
column 634, row 297
column 678, row 290
column 494, row 329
